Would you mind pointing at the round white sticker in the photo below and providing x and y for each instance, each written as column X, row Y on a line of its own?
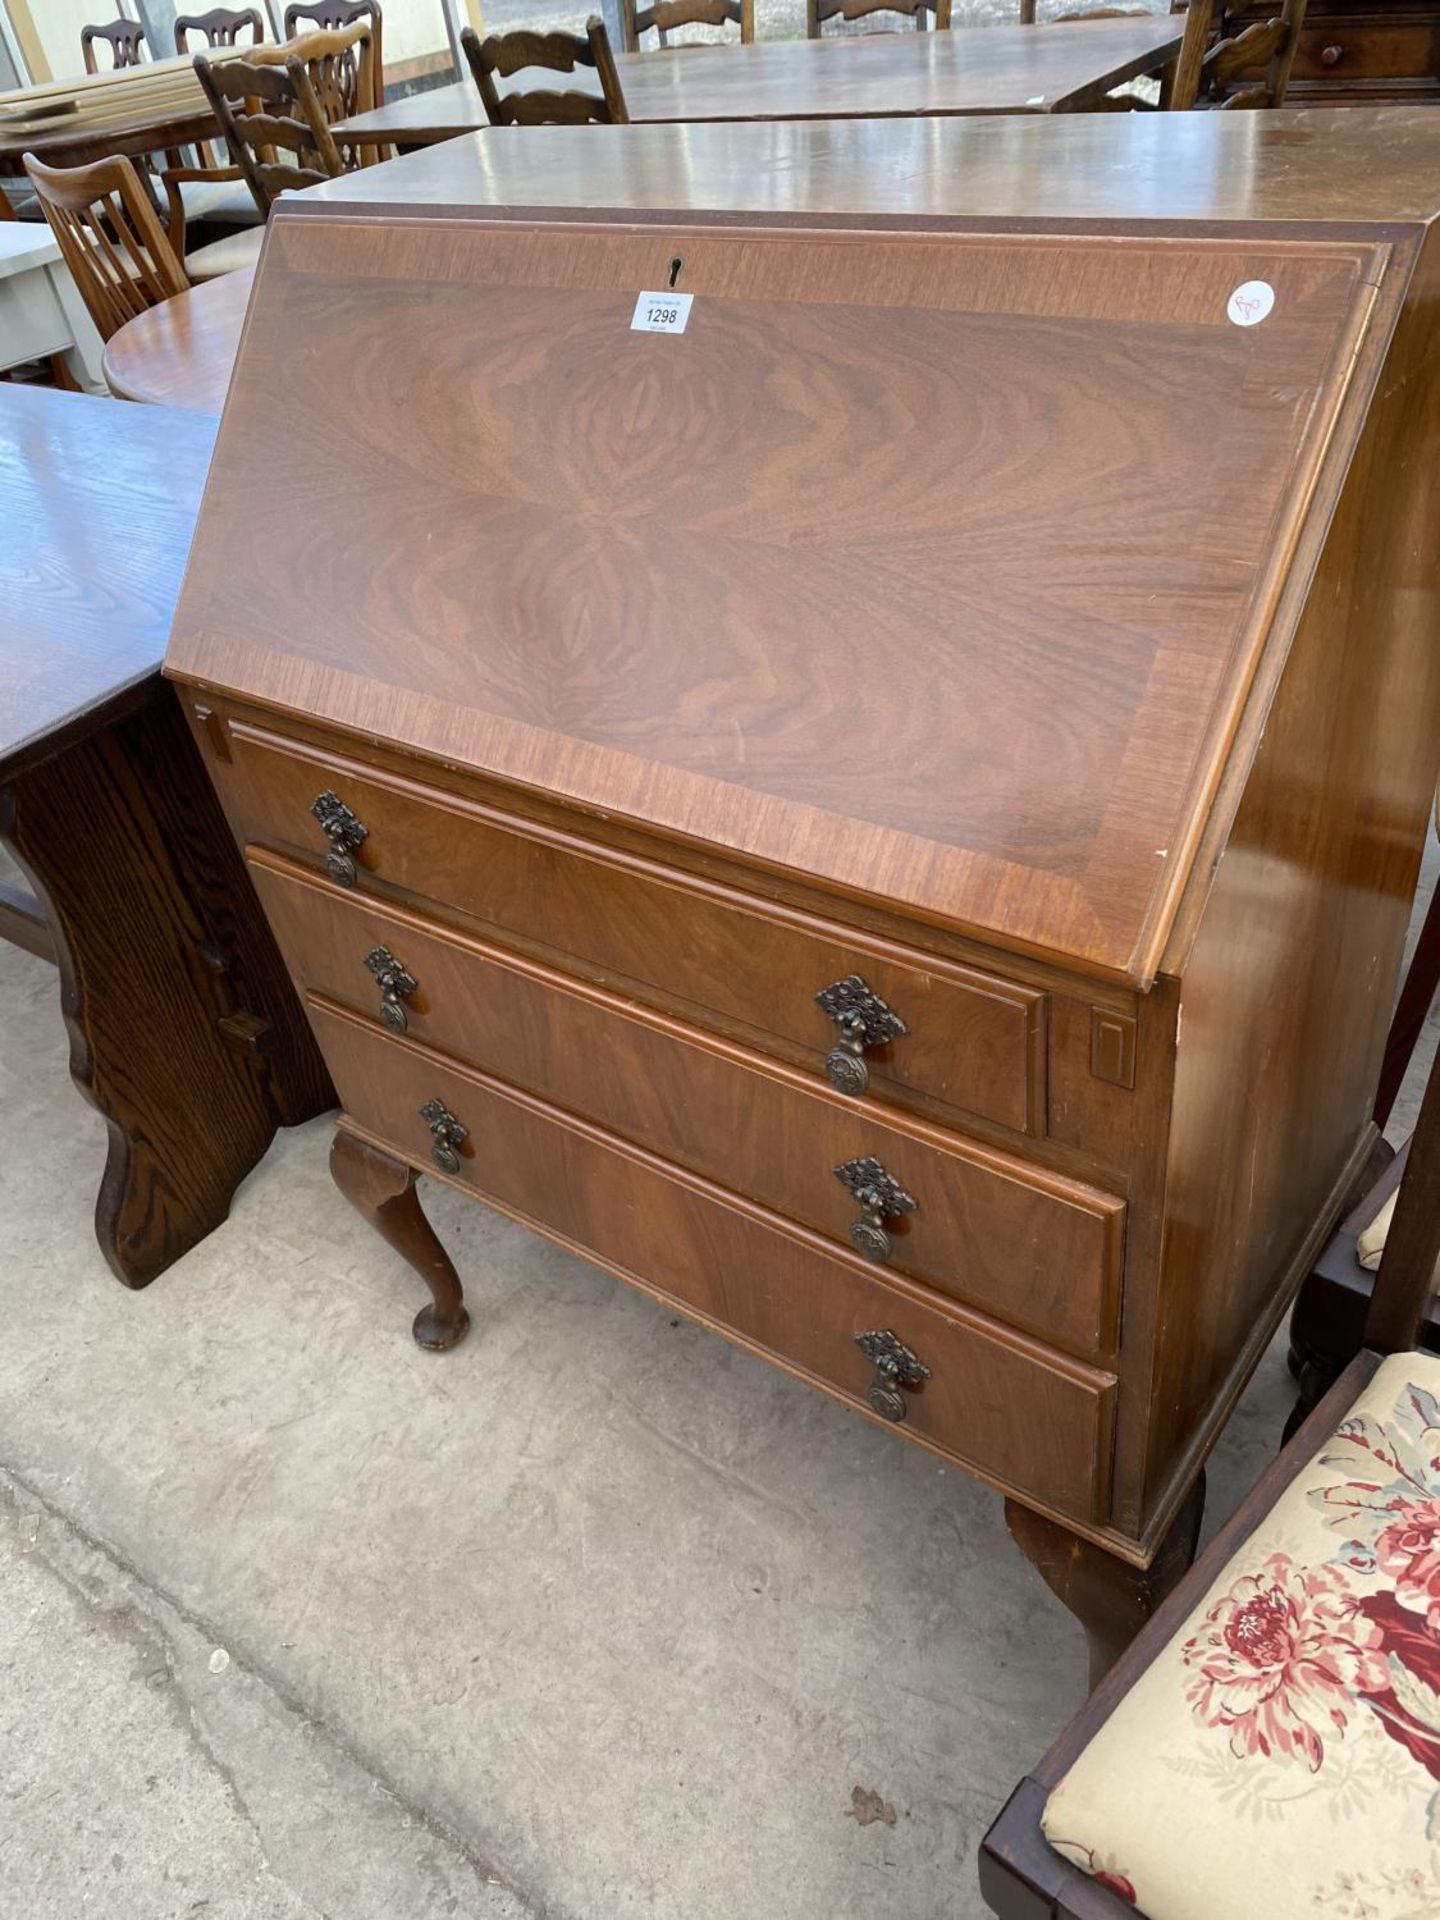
column 1250, row 303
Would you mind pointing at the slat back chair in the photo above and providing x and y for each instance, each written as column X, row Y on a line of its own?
column 1247, row 70
column 333, row 16
column 110, row 236
column 666, row 15
column 125, row 39
column 271, row 110
column 504, row 54
column 220, row 27
column 1298, row 1660
column 817, row 12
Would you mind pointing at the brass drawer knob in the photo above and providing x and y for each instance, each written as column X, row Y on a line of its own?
column 344, row 831
column 1332, row 56
column 881, row 1197
column 864, row 1021
column 396, row 984
column 895, row 1367
column 446, row 1133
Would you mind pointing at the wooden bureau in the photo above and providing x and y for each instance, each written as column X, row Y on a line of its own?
column 886, row 817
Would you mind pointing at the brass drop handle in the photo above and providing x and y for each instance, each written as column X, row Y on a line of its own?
column 396, row 984
column 344, row 831
column 864, row 1021
column 446, row 1133
column 881, row 1198
column 895, row 1367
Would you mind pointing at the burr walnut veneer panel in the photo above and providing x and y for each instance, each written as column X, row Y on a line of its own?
column 760, row 583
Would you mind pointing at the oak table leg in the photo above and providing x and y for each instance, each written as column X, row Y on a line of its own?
column 383, row 1189
column 1111, row 1599
column 184, row 1029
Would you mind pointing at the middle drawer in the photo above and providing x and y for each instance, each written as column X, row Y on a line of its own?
column 1036, row 1249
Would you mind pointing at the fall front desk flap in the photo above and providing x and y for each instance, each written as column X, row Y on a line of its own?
column 934, row 567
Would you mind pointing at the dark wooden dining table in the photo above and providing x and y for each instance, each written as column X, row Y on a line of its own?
column 1057, row 68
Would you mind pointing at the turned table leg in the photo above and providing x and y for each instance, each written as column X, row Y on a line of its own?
column 1111, row 1599
column 383, row 1189
column 185, row 1031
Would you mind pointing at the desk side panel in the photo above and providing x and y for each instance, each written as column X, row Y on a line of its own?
column 1288, row 987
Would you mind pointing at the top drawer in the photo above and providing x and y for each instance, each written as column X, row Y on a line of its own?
column 971, row 1041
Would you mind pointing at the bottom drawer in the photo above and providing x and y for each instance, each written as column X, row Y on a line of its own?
column 1017, row 1413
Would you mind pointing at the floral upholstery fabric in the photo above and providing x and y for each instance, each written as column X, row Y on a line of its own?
column 1282, row 1755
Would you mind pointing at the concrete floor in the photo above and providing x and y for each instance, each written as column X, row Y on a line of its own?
column 593, row 1617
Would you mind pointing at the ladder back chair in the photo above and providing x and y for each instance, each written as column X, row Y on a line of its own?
column 270, row 104
column 1247, row 70
column 125, row 39
column 1270, row 1745
column 817, row 12
column 111, row 238
column 504, row 54
column 666, row 15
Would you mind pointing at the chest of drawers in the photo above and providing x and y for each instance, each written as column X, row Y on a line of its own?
column 864, row 816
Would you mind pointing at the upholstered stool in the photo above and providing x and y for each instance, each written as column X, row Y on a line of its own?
column 1270, row 1746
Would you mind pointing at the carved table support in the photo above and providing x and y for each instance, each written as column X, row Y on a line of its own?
column 382, row 1188
column 1111, row 1599
column 184, row 1029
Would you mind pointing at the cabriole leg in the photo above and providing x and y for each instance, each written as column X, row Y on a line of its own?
column 383, row 1189
column 1111, row 1599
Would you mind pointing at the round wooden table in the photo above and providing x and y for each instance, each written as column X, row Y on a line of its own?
column 181, row 353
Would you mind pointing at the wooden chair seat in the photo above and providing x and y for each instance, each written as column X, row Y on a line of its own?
column 230, row 201
column 226, row 255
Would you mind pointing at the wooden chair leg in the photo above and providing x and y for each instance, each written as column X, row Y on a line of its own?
column 383, row 1189
column 1111, row 1599
column 1411, row 1011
